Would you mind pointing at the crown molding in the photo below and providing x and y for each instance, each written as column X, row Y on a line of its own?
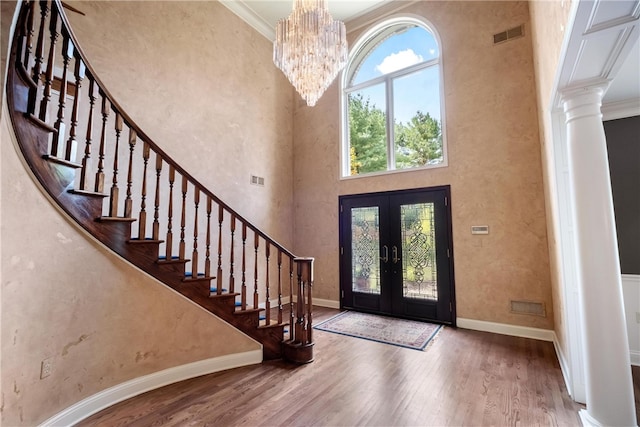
column 621, row 109
column 249, row 16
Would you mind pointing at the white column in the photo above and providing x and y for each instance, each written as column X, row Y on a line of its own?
column 609, row 389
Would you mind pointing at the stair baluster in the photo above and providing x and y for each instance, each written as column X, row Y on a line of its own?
column 128, row 202
column 232, row 280
column 53, row 30
column 106, row 108
column 115, row 191
column 72, row 144
column 89, row 136
column 207, row 259
column 39, row 57
column 67, row 54
column 194, row 255
column 156, row 204
column 169, row 242
column 219, row 274
column 244, row 267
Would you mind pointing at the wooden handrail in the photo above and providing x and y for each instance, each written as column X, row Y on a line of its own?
column 52, row 151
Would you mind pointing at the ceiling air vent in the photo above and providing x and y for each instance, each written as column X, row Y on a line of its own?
column 511, row 33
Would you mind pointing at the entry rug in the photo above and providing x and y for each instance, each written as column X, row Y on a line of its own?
column 388, row 330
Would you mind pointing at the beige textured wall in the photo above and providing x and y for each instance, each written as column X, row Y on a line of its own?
column 221, row 114
column 494, row 166
column 548, row 24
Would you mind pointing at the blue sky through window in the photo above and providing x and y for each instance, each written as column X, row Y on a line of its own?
column 417, row 92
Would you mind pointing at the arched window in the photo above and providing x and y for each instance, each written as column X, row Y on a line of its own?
column 393, row 110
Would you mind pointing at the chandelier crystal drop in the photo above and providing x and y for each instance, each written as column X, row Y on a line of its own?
column 310, row 48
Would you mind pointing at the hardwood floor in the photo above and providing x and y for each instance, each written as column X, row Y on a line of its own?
column 462, row 378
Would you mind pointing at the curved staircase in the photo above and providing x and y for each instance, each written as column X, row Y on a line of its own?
column 117, row 184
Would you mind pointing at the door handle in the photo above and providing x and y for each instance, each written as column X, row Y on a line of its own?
column 385, row 252
column 394, row 254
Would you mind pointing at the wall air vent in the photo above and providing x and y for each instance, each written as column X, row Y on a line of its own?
column 512, row 33
column 528, row 307
column 257, row 180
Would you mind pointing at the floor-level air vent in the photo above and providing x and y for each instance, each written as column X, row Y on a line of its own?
column 528, row 307
column 512, row 33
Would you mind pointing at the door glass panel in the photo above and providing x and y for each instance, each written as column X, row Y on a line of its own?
column 419, row 275
column 365, row 238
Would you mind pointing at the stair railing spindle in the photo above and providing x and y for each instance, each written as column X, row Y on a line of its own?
column 267, row 302
column 291, row 312
column 169, row 244
column 142, row 225
column 115, row 191
column 72, row 144
column 89, row 136
column 128, row 202
column 194, row 256
column 243, row 297
column 256, row 244
column 183, row 219
column 39, row 56
column 279, row 286
column 232, row 280
column 28, row 35
column 219, row 275
column 207, row 256
column 106, row 108
column 59, row 125
column 46, row 95
column 156, row 209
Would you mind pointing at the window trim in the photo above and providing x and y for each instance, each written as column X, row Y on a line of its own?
column 355, row 55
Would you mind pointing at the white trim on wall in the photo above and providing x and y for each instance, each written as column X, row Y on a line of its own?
column 631, row 293
column 99, row 401
column 504, row 329
column 329, row 303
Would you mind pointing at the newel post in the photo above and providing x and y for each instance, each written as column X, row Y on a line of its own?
column 299, row 348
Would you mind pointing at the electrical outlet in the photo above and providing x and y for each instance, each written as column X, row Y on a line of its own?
column 45, row 368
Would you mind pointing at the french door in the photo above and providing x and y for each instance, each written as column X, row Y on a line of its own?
column 396, row 254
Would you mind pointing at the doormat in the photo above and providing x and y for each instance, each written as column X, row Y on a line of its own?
column 387, row 330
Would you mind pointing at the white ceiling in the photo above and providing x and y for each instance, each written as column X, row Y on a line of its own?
column 264, row 14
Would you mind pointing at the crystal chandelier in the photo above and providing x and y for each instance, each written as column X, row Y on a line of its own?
column 310, row 48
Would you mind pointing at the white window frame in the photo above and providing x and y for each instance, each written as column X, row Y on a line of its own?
column 355, row 59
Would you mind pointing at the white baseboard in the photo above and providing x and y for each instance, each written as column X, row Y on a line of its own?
column 329, row 303
column 504, row 329
column 326, row 303
column 635, row 357
column 126, row 390
column 564, row 365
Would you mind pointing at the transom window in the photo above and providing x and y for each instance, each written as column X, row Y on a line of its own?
column 392, row 100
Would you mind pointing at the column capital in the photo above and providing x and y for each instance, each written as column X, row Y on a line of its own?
column 580, row 102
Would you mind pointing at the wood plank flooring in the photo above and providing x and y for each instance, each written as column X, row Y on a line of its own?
column 462, row 378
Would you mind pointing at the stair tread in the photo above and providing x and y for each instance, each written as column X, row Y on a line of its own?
column 116, row 219
column 88, row 193
column 60, row 161
column 199, row 278
column 248, row 310
column 144, row 241
column 173, row 260
column 35, row 119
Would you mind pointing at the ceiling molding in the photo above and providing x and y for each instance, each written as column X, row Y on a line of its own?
column 376, row 13
column 602, row 37
column 249, row 16
column 620, row 109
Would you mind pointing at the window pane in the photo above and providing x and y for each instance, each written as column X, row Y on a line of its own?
column 419, row 275
column 367, row 130
column 417, row 129
column 365, row 237
column 397, row 48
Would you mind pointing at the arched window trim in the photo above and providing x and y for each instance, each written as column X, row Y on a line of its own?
column 376, row 34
